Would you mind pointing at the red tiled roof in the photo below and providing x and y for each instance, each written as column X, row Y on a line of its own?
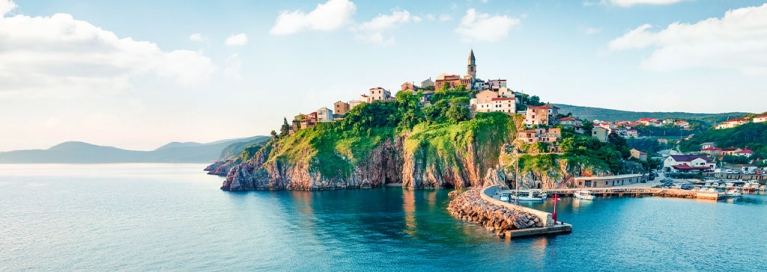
column 539, row 107
column 502, row 98
column 567, row 119
column 745, row 151
column 687, row 167
column 687, row 158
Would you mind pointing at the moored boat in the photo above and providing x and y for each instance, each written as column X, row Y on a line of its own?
column 585, row 195
column 528, row 196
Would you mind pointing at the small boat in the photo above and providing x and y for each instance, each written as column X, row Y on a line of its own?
column 733, row 193
column 585, row 195
column 528, row 196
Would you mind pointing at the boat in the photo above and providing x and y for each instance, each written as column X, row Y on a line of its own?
column 733, row 193
column 585, row 195
column 528, row 196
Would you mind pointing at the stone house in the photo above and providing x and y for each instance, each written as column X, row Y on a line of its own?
column 642, row 156
column 483, row 101
column 426, row 83
column 505, row 105
column 545, row 135
column 379, row 94
column 600, row 134
column 537, row 115
column 452, row 81
column 408, row 86
column 341, row 108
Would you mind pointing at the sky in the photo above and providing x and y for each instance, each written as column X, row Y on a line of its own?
column 138, row 74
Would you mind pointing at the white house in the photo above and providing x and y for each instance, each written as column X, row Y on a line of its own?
column 483, row 101
column 379, row 94
column 687, row 163
column 731, row 124
column 505, row 105
column 324, row 115
column 760, row 119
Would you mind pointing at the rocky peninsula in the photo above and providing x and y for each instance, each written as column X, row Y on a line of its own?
column 470, row 207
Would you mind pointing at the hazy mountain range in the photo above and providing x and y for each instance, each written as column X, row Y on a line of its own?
column 175, row 152
column 590, row 113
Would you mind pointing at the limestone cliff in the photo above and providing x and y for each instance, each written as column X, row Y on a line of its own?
column 442, row 156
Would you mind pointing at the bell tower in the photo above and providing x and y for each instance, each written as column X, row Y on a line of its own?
column 471, row 69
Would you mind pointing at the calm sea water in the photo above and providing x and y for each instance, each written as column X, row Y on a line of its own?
column 174, row 217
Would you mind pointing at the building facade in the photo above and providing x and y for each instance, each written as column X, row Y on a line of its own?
column 504, row 104
column 600, row 134
column 537, row 115
column 341, row 108
column 325, row 115
column 608, row 181
column 687, row 163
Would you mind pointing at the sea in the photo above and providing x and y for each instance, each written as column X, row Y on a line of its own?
column 174, row 217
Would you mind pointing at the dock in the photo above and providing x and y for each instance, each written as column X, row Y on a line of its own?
column 549, row 227
column 641, row 192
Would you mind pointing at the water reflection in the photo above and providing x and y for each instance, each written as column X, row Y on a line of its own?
column 408, row 206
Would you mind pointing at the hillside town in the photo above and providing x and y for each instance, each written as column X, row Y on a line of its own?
column 543, row 123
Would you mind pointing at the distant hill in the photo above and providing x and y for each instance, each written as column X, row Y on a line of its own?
column 235, row 149
column 80, row 152
column 590, row 113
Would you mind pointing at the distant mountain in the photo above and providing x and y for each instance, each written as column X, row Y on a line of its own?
column 590, row 113
column 80, row 152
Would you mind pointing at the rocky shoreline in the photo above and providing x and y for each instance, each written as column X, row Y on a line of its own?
column 470, row 207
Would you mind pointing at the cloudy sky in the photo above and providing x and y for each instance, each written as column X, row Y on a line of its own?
column 138, row 74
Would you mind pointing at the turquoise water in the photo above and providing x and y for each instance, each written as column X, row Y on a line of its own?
column 173, row 217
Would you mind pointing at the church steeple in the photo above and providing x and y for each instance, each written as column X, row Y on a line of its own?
column 471, row 69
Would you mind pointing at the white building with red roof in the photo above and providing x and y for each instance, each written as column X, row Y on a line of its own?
column 507, row 105
column 760, row 119
column 731, row 123
column 688, row 163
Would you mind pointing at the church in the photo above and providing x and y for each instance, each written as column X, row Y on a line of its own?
column 470, row 80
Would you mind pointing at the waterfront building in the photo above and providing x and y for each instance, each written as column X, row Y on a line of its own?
column 608, row 181
column 688, row 163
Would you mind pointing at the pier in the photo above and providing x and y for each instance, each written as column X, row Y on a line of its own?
column 550, row 227
column 640, row 192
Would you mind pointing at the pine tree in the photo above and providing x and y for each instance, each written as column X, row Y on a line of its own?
column 285, row 130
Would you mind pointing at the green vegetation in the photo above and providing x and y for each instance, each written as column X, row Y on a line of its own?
column 590, row 113
column 753, row 136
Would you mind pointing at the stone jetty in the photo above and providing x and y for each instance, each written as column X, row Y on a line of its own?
column 471, row 207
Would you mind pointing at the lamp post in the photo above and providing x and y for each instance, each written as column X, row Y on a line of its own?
column 554, row 214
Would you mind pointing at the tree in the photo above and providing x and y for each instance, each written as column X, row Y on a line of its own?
column 457, row 113
column 285, row 129
column 274, row 135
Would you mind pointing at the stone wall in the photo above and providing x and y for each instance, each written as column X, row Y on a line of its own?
column 471, row 207
column 488, row 192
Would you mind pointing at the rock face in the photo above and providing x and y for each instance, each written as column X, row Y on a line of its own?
column 470, row 207
column 220, row 168
column 383, row 165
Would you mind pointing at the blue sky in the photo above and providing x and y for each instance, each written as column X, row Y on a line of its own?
column 133, row 73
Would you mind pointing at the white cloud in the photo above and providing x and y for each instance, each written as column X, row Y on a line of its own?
column 592, row 30
column 329, row 16
column 371, row 31
column 736, row 41
column 628, row 3
column 237, row 40
column 430, row 17
column 445, row 18
column 197, row 37
column 588, row 3
column 483, row 27
column 60, row 55
column 6, row 6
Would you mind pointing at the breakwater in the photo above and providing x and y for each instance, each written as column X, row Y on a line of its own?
column 471, row 207
column 504, row 219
